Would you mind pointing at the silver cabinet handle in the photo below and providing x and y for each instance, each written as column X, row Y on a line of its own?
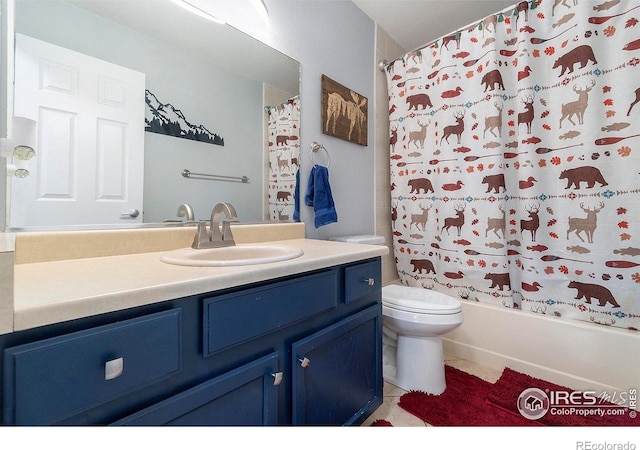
column 369, row 281
column 131, row 213
column 114, row 368
column 277, row 378
column 304, row 362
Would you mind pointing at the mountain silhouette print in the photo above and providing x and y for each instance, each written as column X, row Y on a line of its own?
column 169, row 120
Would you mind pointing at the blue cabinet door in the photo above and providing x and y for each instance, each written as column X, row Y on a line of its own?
column 337, row 372
column 247, row 395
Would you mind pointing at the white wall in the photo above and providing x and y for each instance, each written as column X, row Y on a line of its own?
column 334, row 38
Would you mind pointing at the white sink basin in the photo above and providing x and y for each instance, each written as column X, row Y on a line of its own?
column 238, row 255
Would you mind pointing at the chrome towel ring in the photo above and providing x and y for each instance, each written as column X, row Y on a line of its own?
column 314, row 149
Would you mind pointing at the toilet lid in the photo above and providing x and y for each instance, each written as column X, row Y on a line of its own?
column 437, row 303
column 419, row 306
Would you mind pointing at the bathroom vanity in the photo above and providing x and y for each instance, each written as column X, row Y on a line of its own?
column 129, row 340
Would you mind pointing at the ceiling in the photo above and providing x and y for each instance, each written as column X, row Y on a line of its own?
column 414, row 23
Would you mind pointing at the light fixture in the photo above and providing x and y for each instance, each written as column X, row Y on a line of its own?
column 20, row 146
column 197, row 11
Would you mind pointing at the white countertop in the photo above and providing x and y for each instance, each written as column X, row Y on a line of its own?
column 56, row 291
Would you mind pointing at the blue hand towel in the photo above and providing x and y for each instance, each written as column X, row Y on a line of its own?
column 319, row 196
column 296, row 198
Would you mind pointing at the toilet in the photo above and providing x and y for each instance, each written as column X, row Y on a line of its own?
column 414, row 320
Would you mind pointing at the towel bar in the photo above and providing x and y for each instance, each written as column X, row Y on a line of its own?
column 207, row 176
column 314, row 148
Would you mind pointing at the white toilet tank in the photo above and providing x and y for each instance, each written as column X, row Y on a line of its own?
column 360, row 239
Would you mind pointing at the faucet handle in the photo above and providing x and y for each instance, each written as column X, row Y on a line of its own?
column 202, row 236
column 226, row 230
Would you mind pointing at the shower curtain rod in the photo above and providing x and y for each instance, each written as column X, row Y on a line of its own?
column 383, row 63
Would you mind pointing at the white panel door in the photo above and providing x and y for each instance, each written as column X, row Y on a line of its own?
column 89, row 162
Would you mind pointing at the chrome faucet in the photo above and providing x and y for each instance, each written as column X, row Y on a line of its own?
column 186, row 212
column 218, row 236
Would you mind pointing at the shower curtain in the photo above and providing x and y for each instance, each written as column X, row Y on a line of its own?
column 515, row 161
column 283, row 130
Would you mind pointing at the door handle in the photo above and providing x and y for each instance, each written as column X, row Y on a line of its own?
column 133, row 213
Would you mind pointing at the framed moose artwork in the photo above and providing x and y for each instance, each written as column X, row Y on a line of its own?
column 344, row 112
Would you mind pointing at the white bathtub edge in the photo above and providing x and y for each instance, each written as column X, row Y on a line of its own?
column 570, row 353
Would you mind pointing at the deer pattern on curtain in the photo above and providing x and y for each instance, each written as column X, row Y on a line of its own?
column 284, row 153
column 515, row 160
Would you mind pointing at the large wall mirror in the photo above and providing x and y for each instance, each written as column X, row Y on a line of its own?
column 192, row 72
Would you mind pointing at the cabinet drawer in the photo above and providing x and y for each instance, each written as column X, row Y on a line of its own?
column 362, row 280
column 53, row 379
column 238, row 317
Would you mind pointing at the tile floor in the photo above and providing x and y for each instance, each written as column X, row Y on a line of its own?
column 400, row 418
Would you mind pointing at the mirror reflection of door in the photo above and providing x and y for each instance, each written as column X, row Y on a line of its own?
column 89, row 160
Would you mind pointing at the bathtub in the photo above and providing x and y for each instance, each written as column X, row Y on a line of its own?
column 575, row 354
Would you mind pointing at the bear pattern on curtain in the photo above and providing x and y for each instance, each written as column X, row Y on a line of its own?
column 515, row 160
column 284, row 153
